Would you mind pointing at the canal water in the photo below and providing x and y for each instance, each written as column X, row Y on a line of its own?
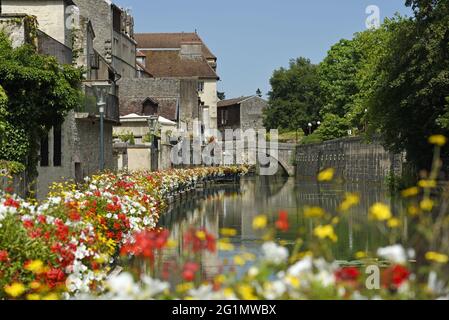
column 236, row 205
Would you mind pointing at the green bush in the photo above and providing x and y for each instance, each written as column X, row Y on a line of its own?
column 127, row 137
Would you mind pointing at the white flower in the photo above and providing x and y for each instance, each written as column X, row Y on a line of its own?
column 300, row 267
column 154, row 286
column 274, row 253
column 122, row 286
column 274, row 290
column 253, row 272
column 394, row 253
column 204, row 292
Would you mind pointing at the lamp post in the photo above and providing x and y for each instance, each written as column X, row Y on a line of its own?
column 152, row 124
column 101, row 93
column 310, row 128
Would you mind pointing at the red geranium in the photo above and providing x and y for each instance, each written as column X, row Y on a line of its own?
column 10, row 202
column 395, row 276
column 199, row 239
column 282, row 222
column 347, row 274
column 145, row 243
column 189, row 270
column 4, row 257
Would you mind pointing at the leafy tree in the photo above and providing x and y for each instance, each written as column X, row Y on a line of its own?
column 410, row 100
column 40, row 92
column 338, row 78
column 333, row 127
column 294, row 100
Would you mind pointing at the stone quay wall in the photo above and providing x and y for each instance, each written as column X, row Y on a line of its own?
column 353, row 158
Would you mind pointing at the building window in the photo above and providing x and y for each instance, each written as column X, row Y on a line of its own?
column 224, row 116
column 57, row 146
column 44, row 151
column 149, row 107
column 201, row 86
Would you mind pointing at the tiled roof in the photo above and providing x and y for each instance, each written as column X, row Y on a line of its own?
column 170, row 64
column 170, row 41
column 231, row 102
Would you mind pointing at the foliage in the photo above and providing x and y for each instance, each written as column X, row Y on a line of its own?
column 333, row 127
column 12, row 167
column 128, row 137
column 294, row 100
column 40, row 93
column 410, row 98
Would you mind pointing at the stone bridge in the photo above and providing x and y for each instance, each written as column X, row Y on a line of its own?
column 284, row 156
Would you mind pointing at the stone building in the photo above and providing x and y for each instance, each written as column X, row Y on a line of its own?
column 241, row 113
column 114, row 34
column 71, row 149
column 180, row 56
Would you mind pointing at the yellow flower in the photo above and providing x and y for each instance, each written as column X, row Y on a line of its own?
column 247, row 292
column 351, row 199
column 380, row 211
column 15, row 289
column 35, row 266
column 260, row 222
column 393, row 223
column 313, row 212
column 183, row 287
column 427, row 184
column 171, row 244
column 249, row 256
column 326, row 231
column 228, row 232
column 225, row 246
column 410, row 192
column 238, row 260
column 437, row 257
column 426, row 204
column 228, row 292
column 360, row 255
column 33, row 296
column 335, row 220
column 326, row 175
column 438, row 140
column 293, row 281
column 35, row 285
column 51, row 296
column 201, row 235
column 220, row 278
column 413, row 210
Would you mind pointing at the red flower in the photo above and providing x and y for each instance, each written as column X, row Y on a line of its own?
column 282, row 222
column 189, row 270
column 200, row 239
column 74, row 215
column 55, row 277
column 4, row 256
column 42, row 219
column 347, row 274
column 145, row 243
column 10, row 202
column 28, row 224
column 395, row 276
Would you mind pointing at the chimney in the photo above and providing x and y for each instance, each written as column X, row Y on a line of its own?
column 191, row 50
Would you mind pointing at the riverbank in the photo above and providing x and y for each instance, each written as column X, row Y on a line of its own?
column 66, row 243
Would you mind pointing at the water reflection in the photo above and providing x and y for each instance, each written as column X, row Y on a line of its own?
column 235, row 206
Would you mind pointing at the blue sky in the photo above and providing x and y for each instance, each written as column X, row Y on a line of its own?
column 251, row 38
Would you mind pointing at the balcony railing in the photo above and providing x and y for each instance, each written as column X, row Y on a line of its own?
column 90, row 106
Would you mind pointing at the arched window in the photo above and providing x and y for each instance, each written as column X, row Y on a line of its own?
column 149, row 107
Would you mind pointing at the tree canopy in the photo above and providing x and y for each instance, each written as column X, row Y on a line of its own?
column 294, row 100
column 39, row 93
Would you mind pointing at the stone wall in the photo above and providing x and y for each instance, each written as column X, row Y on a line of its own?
column 251, row 113
column 353, row 159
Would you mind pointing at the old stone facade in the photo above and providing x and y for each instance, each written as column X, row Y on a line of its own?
column 114, row 32
column 352, row 158
column 241, row 113
column 71, row 150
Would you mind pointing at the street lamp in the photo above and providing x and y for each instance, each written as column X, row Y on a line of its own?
column 101, row 93
column 310, row 127
column 153, row 121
